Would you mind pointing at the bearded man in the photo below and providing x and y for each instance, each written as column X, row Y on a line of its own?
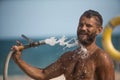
column 87, row 62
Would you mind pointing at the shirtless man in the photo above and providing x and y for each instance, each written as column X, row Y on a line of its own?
column 91, row 63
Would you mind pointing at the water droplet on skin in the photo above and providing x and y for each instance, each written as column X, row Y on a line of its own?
column 83, row 52
column 73, row 56
column 64, row 68
column 70, row 58
column 105, row 56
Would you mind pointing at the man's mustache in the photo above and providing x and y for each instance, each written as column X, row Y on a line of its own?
column 83, row 32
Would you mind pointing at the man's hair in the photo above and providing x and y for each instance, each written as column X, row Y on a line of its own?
column 92, row 13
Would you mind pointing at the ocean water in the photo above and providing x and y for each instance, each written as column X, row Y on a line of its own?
column 40, row 56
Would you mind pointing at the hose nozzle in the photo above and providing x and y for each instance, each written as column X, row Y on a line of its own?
column 31, row 43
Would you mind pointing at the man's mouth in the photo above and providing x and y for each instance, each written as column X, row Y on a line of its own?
column 83, row 34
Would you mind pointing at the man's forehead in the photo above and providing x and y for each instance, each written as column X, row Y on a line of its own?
column 91, row 20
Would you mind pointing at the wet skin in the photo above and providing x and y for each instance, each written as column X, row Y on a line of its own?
column 95, row 65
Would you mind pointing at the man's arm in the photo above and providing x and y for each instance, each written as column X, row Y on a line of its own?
column 51, row 71
column 33, row 72
column 105, row 69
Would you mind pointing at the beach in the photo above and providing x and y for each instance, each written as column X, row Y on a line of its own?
column 25, row 77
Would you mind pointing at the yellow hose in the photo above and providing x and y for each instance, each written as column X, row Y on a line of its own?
column 106, row 38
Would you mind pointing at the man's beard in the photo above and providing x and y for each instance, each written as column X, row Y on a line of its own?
column 89, row 39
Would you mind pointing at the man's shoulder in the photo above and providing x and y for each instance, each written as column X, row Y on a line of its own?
column 66, row 57
column 103, row 56
column 101, row 52
column 67, row 54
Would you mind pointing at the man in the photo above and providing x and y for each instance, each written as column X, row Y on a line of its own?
column 87, row 62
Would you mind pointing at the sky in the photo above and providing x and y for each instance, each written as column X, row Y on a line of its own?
column 38, row 18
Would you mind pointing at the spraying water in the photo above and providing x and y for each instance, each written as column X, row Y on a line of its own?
column 67, row 44
column 62, row 42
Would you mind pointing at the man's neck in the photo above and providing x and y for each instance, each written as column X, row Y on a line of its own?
column 91, row 47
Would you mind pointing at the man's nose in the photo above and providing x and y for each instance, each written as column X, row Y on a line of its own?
column 83, row 27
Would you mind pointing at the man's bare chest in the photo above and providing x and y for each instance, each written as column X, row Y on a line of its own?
column 81, row 69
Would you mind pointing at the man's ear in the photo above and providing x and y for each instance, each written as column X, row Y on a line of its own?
column 99, row 30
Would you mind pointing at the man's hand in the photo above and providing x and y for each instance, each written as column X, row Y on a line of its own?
column 18, row 52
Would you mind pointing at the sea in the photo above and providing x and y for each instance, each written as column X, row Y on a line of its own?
column 40, row 56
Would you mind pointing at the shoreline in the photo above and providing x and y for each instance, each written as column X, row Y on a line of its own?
column 25, row 77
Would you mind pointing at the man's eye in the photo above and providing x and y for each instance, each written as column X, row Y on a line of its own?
column 88, row 25
column 80, row 25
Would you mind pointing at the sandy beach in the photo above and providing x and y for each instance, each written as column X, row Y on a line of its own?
column 25, row 77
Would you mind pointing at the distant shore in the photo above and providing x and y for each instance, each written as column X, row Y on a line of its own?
column 25, row 77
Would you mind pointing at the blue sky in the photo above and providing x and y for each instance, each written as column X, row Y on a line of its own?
column 37, row 18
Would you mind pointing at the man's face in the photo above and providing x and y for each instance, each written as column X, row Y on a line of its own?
column 87, row 30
